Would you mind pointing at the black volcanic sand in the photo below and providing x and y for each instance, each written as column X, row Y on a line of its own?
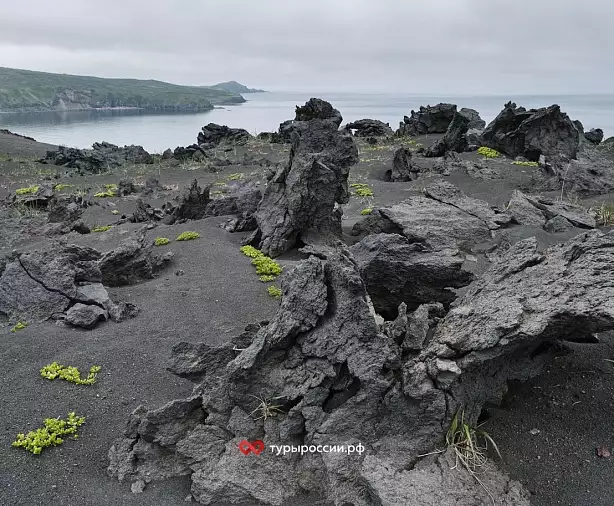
column 570, row 404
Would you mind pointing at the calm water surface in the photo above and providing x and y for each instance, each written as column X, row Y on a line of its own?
column 264, row 112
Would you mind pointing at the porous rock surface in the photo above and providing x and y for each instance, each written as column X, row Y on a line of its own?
column 301, row 199
column 62, row 282
column 531, row 133
column 455, row 138
column 213, row 135
column 335, row 380
column 370, row 128
column 403, row 169
column 103, row 157
column 428, row 120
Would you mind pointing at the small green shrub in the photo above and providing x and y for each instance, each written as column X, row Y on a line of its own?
column 488, row 152
column 267, row 279
column 49, row 435
column 26, row 191
column 59, row 187
column 108, row 193
column 112, row 187
column 235, row 177
column 69, row 373
column 187, row 236
column 250, row 251
column 161, row 241
column 19, row 326
column 362, row 190
column 102, row 228
column 266, row 266
column 274, row 291
column 366, row 211
column 525, row 164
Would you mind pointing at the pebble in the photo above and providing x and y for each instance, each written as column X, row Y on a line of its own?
column 137, row 487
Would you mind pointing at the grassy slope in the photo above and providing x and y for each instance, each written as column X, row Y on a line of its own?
column 235, row 87
column 29, row 90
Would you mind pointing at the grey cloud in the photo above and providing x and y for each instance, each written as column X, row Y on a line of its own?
column 437, row 46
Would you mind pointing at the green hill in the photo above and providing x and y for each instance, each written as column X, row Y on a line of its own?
column 235, row 87
column 29, row 91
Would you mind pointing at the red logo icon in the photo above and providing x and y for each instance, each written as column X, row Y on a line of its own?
column 257, row 447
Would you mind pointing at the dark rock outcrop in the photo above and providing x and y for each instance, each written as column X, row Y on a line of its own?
column 532, row 133
column 191, row 204
column 370, row 128
column 103, row 157
column 402, row 167
column 396, row 271
column 319, row 374
column 63, row 282
column 132, row 261
column 428, row 120
column 300, row 199
column 187, row 152
column 454, row 139
column 214, row 135
column 594, row 135
column 475, row 121
column 314, row 108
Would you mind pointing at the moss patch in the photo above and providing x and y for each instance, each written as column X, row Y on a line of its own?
column 366, row 211
column 69, row 373
column 59, row 187
column 525, row 164
column 267, row 268
column 187, row 236
column 274, row 291
column 19, row 326
column 362, row 190
column 102, row 228
column 26, row 191
column 162, row 241
column 50, row 435
column 488, row 152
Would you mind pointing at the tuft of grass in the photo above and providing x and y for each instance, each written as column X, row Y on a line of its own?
column 366, row 211
column 50, row 435
column 488, row 152
column 525, row 164
column 105, row 194
column 187, row 236
column 274, row 291
column 362, row 189
column 266, row 408
column 604, row 214
column 235, row 177
column 26, row 191
column 19, row 326
column 470, row 446
column 102, row 228
column 162, row 241
column 69, row 373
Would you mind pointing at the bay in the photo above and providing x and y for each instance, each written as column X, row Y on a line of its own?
column 265, row 111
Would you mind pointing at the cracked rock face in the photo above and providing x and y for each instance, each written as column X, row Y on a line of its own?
column 454, row 139
column 535, row 210
column 44, row 284
column 302, row 198
column 428, row 120
column 332, row 378
column 445, row 218
column 402, row 167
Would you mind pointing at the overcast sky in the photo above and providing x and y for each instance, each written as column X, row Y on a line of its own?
column 430, row 46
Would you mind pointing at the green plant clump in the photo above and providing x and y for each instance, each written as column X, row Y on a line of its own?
column 161, row 241
column 102, row 228
column 366, row 211
column 362, row 190
column 267, row 279
column 274, row 291
column 26, row 191
column 250, row 251
column 235, row 177
column 59, row 187
column 488, row 152
column 187, row 236
column 266, row 266
column 108, row 193
column 525, row 164
column 69, row 373
column 19, row 326
column 49, row 435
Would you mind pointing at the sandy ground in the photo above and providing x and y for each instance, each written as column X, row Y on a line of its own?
column 570, row 404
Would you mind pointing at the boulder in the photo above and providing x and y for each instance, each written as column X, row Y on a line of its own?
column 454, row 139
column 191, row 204
column 591, row 174
column 301, row 198
column 132, row 261
column 187, row 152
column 558, row 224
column 474, row 139
column 444, row 218
column 63, row 210
column 523, row 212
column 475, row 122
column 396, row 271
column 428, row 120
column 546, row 131
column 370, row 128
column 168, row 154
column 43, row 284
column 314, row 108
column 594, row 135
column 214, row 135
column 402, row 167
column 319, row 373
column 103, row 157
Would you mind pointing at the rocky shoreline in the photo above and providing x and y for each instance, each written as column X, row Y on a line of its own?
column 423, row 274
